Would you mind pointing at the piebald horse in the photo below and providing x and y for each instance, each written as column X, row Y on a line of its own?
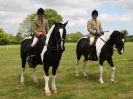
column 48, row 52
column 104, row 51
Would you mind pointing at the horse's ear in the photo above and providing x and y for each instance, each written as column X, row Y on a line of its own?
column 65, row 24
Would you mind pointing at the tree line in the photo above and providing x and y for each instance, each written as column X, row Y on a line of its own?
column 25, row 29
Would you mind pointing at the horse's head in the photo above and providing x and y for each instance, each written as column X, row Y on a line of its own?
column 60, row 35
column 119, row 41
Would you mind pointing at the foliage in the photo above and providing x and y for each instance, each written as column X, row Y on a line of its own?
column 125, row 32
column 73, row 37
column 3, row 37
column 50, row 14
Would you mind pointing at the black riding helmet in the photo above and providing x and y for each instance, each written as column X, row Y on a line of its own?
column 95, row 12
column 40, row 11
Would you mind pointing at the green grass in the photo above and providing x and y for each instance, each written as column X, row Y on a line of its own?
column 69, row 86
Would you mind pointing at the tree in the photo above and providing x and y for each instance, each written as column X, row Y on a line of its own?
column 18, row 37
column 3, row 37
column 125, row 32
column 73, row 37
column 50, row 14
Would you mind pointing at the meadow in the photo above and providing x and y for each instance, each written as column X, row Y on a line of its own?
column 69, row 86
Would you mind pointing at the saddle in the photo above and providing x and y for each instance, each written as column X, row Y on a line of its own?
column 34, row 52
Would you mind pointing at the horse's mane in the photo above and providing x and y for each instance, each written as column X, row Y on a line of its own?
column 106, row 35
column 49, row 33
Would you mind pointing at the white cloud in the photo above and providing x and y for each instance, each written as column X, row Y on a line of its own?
column 12, row 12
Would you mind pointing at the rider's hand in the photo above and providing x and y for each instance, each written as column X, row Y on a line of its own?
column 102, row 33
column 98, row 34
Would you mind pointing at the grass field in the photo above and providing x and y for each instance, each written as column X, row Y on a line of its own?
column 69, row 86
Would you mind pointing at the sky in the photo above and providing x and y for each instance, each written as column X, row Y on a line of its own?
column 113, row 14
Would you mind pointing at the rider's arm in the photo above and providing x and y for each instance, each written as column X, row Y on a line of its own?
column 89, row 27
column 35, row 32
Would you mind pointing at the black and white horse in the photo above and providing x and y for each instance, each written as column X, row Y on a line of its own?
column 104, row 51
column 48, row 52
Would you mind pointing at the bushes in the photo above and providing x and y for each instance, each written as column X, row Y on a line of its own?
column 129, row 39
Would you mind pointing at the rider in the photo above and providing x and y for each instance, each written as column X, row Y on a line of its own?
column 40, row 28
column 95, row 29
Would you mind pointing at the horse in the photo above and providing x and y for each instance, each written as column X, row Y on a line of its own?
column 104, row 51
column 47, row 52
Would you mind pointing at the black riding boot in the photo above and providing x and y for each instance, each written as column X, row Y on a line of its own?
column 29, row 58
column 90, row 56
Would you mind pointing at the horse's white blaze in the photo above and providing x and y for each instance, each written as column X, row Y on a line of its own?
column 46, row 84
column 47, row 40
column 53, row 85
column 100, row 43
column 61, row 34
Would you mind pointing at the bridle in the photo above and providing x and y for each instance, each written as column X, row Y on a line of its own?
column 55, row 48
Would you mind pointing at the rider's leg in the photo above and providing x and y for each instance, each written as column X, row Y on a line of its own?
column 92, row 40
column 35, row 40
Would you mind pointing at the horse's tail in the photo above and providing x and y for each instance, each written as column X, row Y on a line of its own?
column 82, row 47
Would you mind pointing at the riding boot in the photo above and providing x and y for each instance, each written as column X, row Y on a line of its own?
column 29, row 58
column 90, row 56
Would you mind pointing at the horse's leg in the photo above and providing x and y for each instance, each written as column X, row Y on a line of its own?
column 77, row 64
column 53, row 85
column 34, row 77
column 101, row 71
column 23, row 69
column 84, row 68
column 77, row 68
column 46, row 77
column 110, row 61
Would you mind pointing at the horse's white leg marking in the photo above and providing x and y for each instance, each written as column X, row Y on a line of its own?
column 101, row 74
column 77, row 68
column 22, row 75
column 47, row 91
column 46, row 42
column 112, row 73
column 53, row 85
column 34, row 75
column 84, row 69
column 61, row 34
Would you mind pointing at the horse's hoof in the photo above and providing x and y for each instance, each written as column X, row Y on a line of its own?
column 101, row 82
column 48, row 93
column 54, row 91
column 77, row 75
column 113, row 82
column 22, row 83
column 85, row 76
column 35, row 81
